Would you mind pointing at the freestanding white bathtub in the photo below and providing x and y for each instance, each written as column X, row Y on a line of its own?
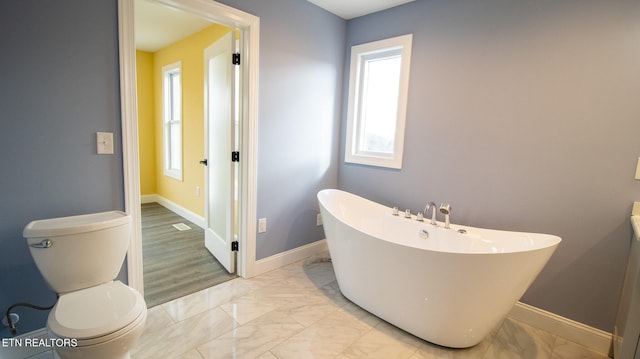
column 450, row 289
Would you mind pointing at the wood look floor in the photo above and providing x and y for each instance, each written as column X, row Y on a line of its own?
column 175, row 263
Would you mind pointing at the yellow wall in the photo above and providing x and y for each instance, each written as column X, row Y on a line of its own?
column 146, row 118
column 190, row 52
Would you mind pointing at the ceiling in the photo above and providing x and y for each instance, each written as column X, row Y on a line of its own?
column 158, row 26
column 349, row 9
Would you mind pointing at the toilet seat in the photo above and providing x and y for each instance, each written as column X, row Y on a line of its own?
column 97, row 314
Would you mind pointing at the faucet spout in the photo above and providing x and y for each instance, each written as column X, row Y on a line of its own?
column 446, row 210
column 431, row 207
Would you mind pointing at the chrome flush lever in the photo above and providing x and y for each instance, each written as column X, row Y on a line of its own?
column 46, row 243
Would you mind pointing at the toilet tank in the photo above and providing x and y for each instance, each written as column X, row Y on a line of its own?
column 78, row 252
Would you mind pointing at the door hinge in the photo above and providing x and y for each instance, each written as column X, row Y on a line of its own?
column 235, row 58
column 234, row 246
column 235, row 156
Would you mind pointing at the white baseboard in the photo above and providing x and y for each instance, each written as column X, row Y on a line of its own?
column 282, row 259
column 592, row 338
column 174, row 207
column 149, row 198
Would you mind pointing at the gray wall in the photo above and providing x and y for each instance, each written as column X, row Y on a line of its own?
column 524, row 116
column 301, row 55
column 59, row 70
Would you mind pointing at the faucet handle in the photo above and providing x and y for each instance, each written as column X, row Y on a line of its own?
column 419, row 217
column 407, row 213
column 395, row 211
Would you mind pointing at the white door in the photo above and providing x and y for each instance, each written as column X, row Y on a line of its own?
column 219, row 143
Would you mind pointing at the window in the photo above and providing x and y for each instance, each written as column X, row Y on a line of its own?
column 378, row 86
column 172, row 120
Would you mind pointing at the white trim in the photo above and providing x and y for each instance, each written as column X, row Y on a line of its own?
column 175, row 208
column 149, row 198
column 249, row 86
column 168, row 121
column 592, row 338
column 130, row 159
column 282, row 259
column 360, row 55
column 249, row 26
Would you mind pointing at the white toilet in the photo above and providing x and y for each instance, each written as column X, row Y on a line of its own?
column 79, row 257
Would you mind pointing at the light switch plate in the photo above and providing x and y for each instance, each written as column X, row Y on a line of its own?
column 262, row 225
column 638, row 170
column 104, row 142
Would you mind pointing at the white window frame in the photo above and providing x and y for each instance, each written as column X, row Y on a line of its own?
column 360, row 54
column 171, row 169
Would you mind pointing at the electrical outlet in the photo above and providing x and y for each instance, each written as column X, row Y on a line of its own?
column 318, row 219
column 262, row 225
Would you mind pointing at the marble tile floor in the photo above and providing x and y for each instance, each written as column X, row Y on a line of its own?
column 298, row 312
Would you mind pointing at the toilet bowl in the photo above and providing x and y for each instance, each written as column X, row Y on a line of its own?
column 105, row 321
column 95, row 316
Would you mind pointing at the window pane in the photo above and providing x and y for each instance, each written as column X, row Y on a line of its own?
column 176, row 101
column 379, row 104
column 175, row 146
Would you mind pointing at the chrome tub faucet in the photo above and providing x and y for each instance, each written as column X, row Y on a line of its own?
column 431, row 206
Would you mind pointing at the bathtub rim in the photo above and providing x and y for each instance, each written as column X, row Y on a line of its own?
column 543, row 240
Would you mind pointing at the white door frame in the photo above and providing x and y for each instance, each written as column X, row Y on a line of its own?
column 249, row 27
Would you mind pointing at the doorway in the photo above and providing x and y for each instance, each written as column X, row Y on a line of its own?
column 178, row 72
column 248, row 28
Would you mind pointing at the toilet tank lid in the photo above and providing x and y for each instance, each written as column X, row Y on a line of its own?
column 75, row 224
